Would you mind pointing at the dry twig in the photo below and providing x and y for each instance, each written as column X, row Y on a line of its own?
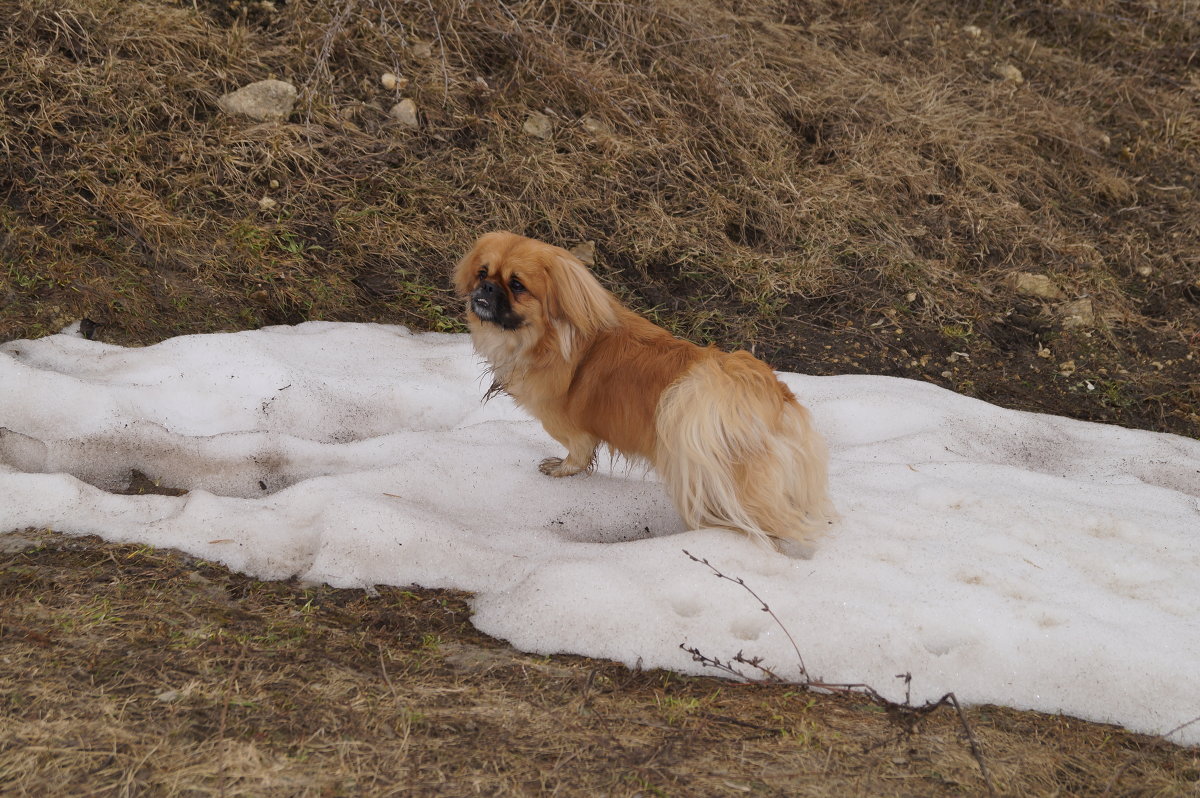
column 903, row 713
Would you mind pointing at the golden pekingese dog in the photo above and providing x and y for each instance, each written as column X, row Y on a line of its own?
column 734, row 447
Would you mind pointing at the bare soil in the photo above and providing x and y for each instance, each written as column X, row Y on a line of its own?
column 126, row 670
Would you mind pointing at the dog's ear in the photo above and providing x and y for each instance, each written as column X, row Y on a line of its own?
column 576, row 300
column 464, row 275
column 464, row 272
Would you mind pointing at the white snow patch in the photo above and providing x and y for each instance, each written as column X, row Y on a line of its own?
column 1014, row 558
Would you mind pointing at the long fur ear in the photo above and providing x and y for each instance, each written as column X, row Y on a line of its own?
column 462, row 276
column 577, row 301
column 464, row 272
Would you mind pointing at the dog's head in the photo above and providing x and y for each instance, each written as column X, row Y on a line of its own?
column 512, row 283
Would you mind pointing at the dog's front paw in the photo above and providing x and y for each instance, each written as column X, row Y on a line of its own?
column 556, row 467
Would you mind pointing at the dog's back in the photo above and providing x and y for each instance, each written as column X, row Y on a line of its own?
column 620, row 378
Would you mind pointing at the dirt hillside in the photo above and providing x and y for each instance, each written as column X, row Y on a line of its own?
column 997, row 197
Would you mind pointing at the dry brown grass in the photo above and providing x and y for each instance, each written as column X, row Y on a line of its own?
column 126, row 670
column 794, row 178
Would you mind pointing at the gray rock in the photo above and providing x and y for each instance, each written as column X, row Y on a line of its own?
column 405, row 112
column 264, row 101
column 1036, row 285
column 1079, row 313
column 539, row 125
column 1009, row 73
column 595, row 126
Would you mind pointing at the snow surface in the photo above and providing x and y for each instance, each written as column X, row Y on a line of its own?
column 1026, row 560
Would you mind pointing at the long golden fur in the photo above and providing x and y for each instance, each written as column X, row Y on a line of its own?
column 733, row 446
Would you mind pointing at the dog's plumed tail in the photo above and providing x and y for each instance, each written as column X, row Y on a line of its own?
column 737, row 451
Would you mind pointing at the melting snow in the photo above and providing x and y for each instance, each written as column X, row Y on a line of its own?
column 1026, row 560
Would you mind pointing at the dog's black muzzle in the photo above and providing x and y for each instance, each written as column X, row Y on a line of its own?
column 490, row 303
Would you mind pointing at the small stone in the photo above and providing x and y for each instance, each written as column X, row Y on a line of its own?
column 586, row 252
column 1066, row 368
column 389, row 80
column 273, row 184
column 405, row 112
column 597, row 127
column 1010, row 73
column 1044, row 353
column 539, row 125
column 421, row 49
column 1115, row 188
column 264, row 101
column 1036, row 285
column 911, row 296
column 1145, row 271
column 266, row 203
column 1079, row 313
column 974, row 31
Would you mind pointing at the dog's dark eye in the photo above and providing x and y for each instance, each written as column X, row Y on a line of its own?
column 482, row 272
column 515, row 285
